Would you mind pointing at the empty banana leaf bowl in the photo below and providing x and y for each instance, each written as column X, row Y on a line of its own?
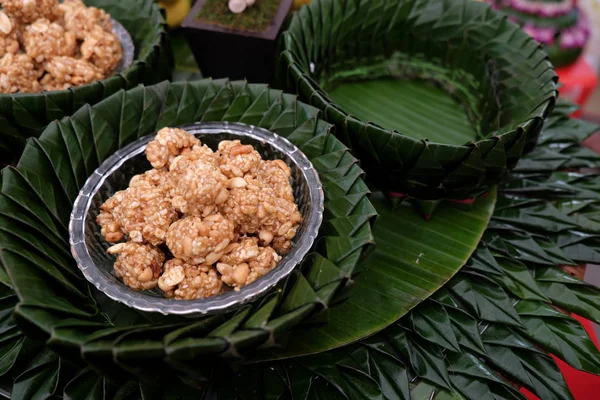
column 338, row 55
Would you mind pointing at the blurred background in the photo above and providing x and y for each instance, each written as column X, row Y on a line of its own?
column 592, row 56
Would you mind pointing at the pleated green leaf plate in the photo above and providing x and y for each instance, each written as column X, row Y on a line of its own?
column 491, row 327
column 69, row 150
column 83, row 325
column 438, row 99
column 474, row 338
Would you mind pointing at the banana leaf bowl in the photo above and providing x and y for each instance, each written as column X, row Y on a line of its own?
column 89, row 247
column 25, row 115
column 345, row 58
column 80, row 323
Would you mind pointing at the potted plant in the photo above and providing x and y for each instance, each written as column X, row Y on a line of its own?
column 236, row 38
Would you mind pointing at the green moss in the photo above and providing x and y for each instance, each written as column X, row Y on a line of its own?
column 255, row 18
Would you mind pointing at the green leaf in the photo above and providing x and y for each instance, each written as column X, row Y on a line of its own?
column 538, row 217
column 343, row 378
column 427, row 391
column 9, row 351
column 186, row 68
column 565, row 129
column 563, row 337
column 40, row 380
column 581, row 299
column 85, row 386
column 413, row 258
column 487, row 301
column 389, row 372
column 524, row 363
column 428, row 362
column 466, row 329
column 410, row 104
column 431, row 321
column 519, row 280
column 475, row 380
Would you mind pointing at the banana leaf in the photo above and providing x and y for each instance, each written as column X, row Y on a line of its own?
column 477, row 337
column 186, row 68
column 81, row 324
column 413, row 358
column 491, row 327
column 375, row 70
column 104, row 128
column 413, row 258
column 25, row 115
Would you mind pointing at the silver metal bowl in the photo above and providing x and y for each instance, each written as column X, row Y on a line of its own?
column 126, row 44
column 89, row 247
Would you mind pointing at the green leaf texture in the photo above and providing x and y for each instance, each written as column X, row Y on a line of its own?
column 413, row 258
column 500, row 75
column 492, row 326
column 488, row 329
column 57, row 304
column 26, row 115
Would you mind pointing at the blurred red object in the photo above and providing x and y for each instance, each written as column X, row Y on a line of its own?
column 593, row 142
column 583, row 386
column 578, row 82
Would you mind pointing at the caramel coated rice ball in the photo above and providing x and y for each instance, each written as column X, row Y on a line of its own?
column 250, row 205
column 183, row 281
column 198, row 186
column 158, row 178
column 255, row 209
column 111, row 228
column 276, row 175
column 139, row 265
column 28, row 11
column 18, row 73
column 64, row 72
column 168, row 144
column 83, row 20
column 102, row 49
column 9, row 35
column 246, row 263
column 143, row 211
column 284, row 230
column 44, row 39
column 237, row 159
column 199, row 240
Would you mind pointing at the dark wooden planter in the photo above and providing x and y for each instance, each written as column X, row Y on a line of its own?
column 235, row 54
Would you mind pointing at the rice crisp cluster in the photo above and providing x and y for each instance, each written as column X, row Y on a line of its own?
column 200, row 222
column 47, row 45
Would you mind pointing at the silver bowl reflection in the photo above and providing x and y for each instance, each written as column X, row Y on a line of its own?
column 89, row 247
column 126, row 44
